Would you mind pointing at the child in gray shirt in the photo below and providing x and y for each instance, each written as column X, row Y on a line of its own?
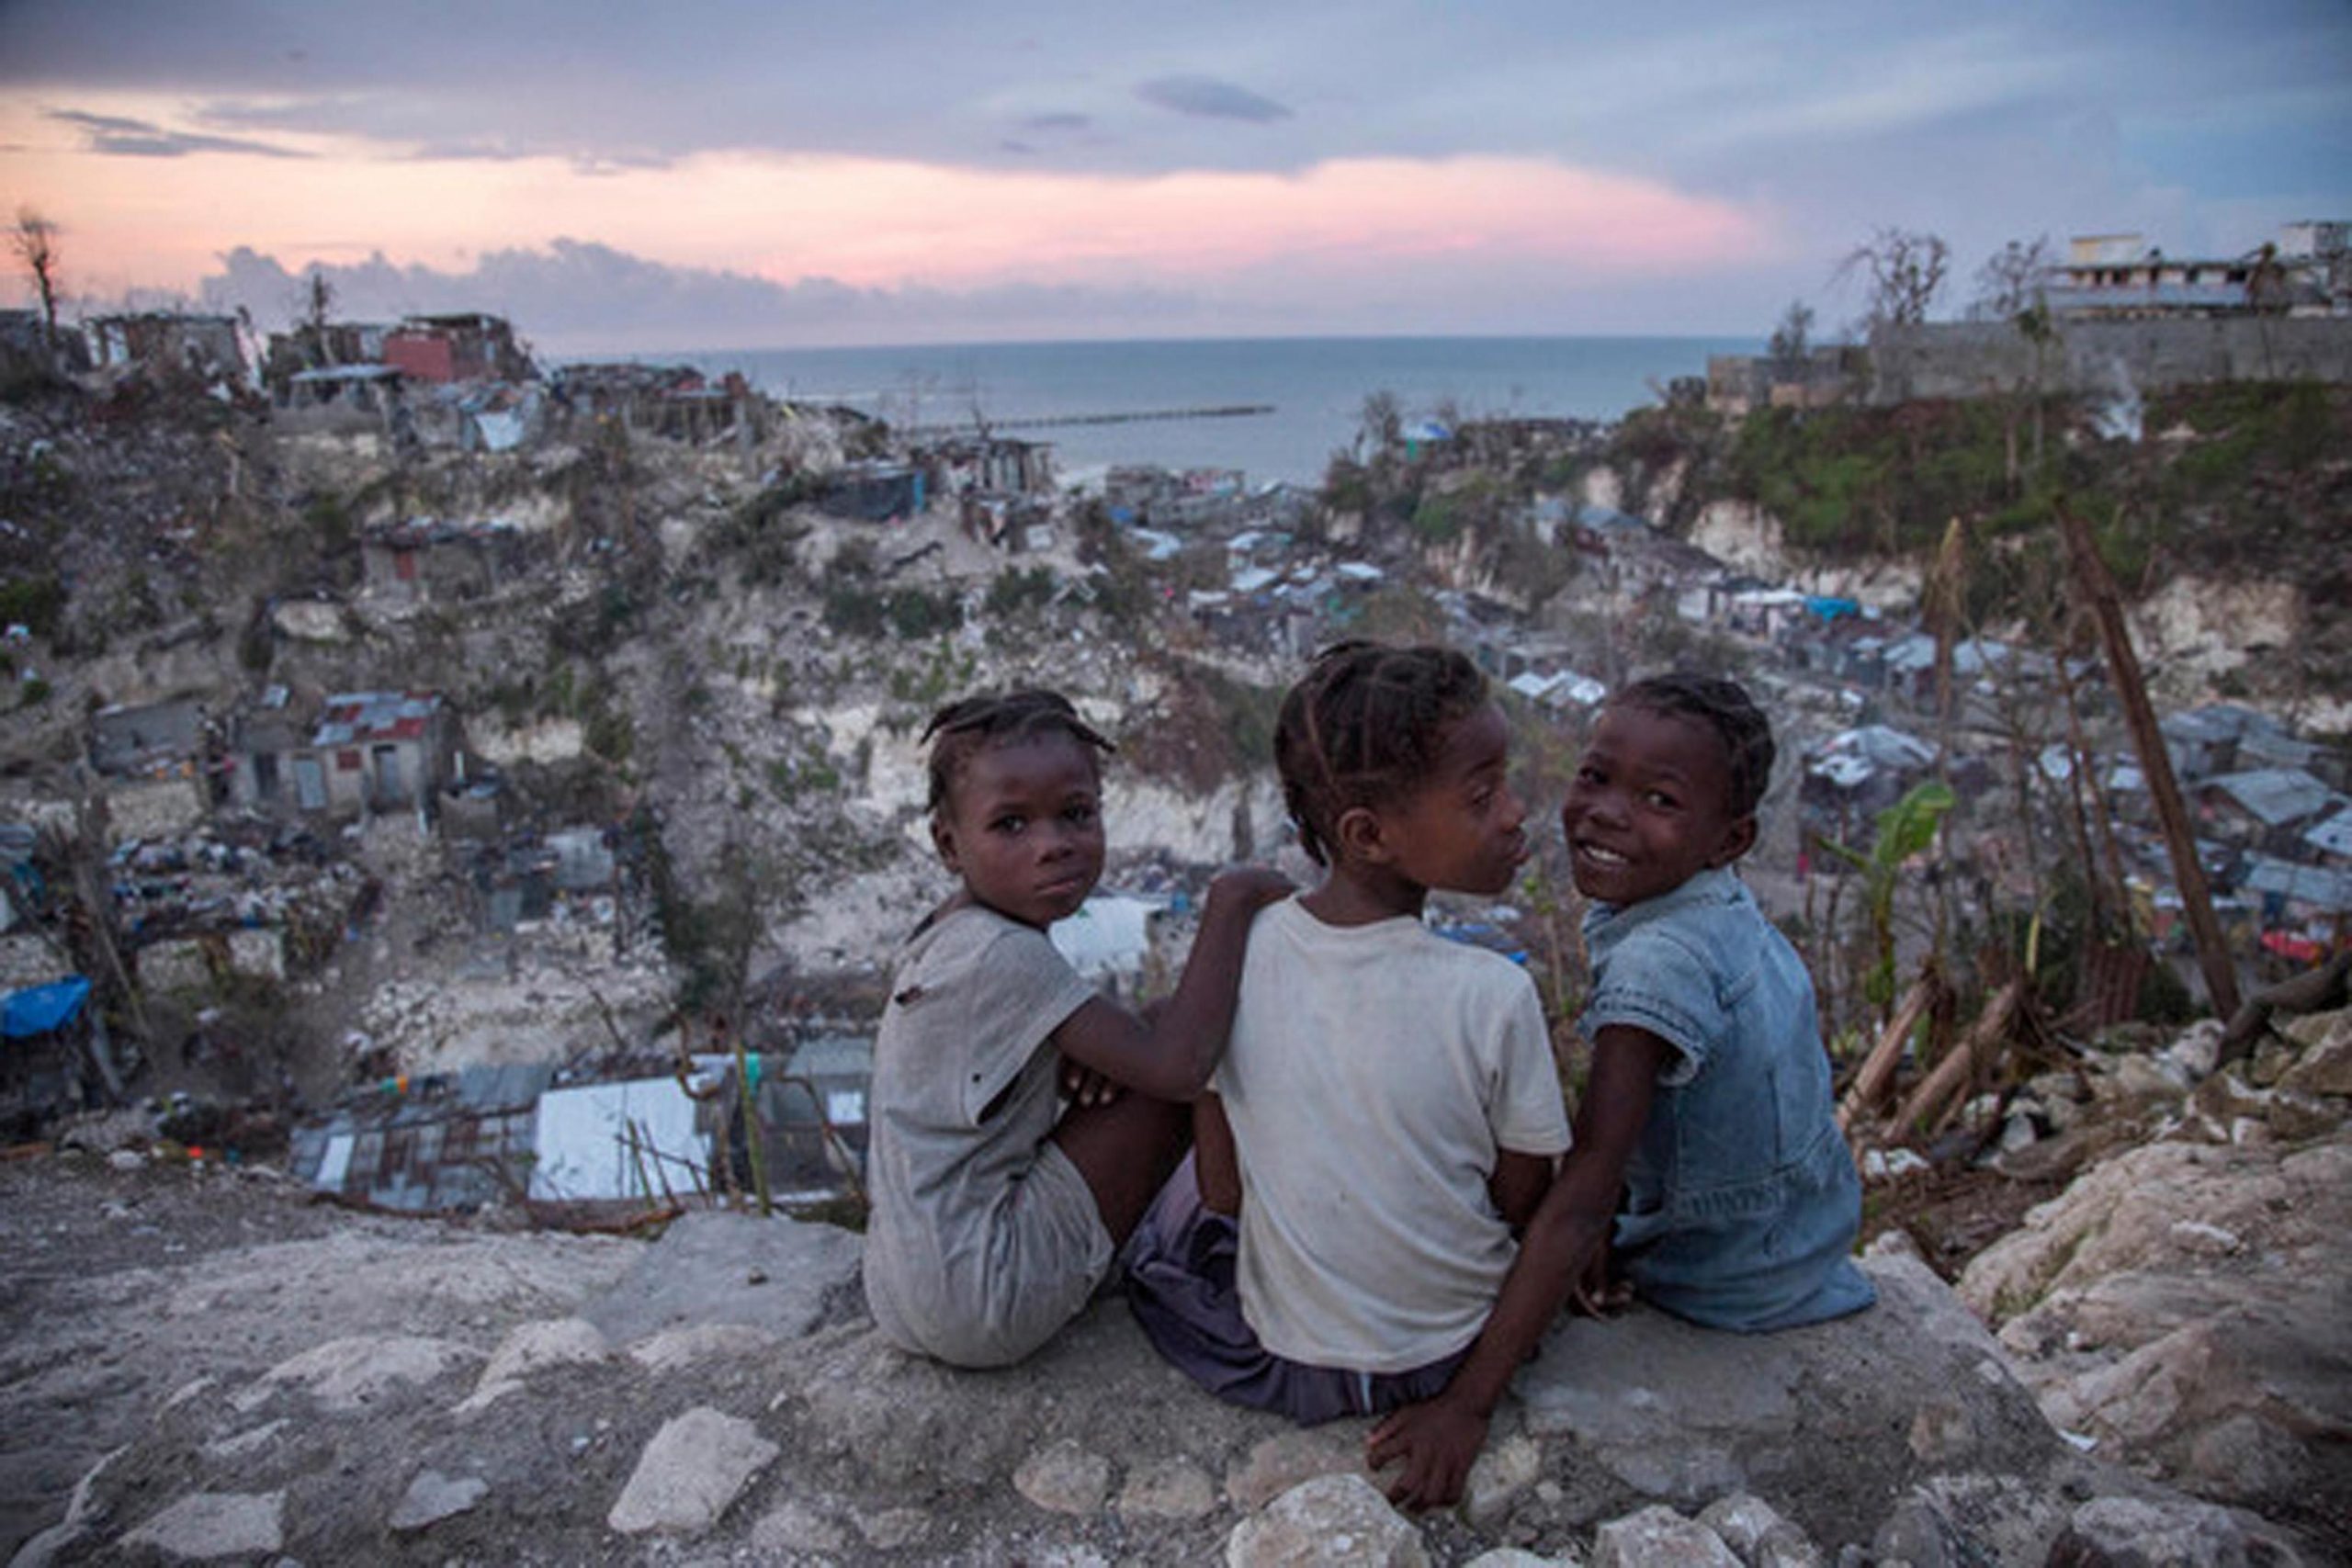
column 996, row 1211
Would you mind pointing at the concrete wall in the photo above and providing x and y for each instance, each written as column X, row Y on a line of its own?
column 1966, row 359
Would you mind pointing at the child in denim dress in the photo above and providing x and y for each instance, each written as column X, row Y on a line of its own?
column 1709, row 1103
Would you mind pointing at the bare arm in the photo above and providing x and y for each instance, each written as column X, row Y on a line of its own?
column 1437, row 1439
column 1518, row 1185
column 1171, row 1057
column 1215, row 1161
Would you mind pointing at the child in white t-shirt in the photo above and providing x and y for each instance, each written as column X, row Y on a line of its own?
column 996, row 1211
column 1388, row 1107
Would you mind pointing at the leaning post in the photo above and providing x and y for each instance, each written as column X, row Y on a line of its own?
column 2097, row 585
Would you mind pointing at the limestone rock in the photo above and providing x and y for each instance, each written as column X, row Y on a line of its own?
column 2246, row 1456
column 1331, row 1520
column 1942, row 1432
column 1657, row 1537
column 695, row 1466
column 1519, row 1557
column 2134, row 1532
column 893, row 1530
column 675, row 1347
column 1756, row 1534
column 1063, row 1477
column 1499, row 1475
column 208, row 1524
column 548, row 1343
column 1918, row 1532
column 2177, row 1288
column 1282, row 1462
column 346, row 1374
column 794, row 1527
column 700, row 1271
column 1169, row 1489
column 433, row 1496
column 1683, row 1415
column 2326, row 1063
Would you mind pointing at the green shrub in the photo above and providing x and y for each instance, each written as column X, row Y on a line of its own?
column 33, row 603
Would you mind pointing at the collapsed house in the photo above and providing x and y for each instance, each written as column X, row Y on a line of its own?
column 166, row 342
column 468, row 347
column 426, row 560
column 675, row 402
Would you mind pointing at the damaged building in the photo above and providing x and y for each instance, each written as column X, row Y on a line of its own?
column 166, row 342
column 357, row 752
column 428, row 561
column 468, row 347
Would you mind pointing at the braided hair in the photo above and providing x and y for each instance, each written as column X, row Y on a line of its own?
column 963, row 729
column 1723, row 706
column 1363, row 728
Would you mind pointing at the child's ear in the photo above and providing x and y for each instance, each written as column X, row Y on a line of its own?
column 1738, row 838
column 1357, row 836
column 943, row 838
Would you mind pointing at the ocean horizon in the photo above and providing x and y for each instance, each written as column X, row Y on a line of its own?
column 1314, row 389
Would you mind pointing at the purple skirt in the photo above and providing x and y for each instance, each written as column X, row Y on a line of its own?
column 1179, row 1284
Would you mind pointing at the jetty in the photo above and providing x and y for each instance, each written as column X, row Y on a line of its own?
column 1050, row 420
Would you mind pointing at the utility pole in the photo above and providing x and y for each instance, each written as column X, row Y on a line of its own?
column 2196, row 898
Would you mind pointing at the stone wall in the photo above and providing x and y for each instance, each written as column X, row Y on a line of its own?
column 1966, row 359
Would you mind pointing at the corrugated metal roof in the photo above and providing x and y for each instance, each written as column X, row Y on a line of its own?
column 354, row 717
column 2324, row 887
column 2275, row 796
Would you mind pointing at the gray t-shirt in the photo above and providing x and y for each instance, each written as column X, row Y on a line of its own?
column 984, row 1239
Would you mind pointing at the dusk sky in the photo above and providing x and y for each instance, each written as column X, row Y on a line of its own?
column 641, row 177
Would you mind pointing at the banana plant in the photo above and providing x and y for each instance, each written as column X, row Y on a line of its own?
column 1905, row 829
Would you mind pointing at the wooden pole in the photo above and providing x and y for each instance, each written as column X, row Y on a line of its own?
column 2196, row 898
column 1877, row 1075
column 1944, row 1090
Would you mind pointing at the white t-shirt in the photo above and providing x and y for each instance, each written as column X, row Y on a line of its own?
column 1373, row 1074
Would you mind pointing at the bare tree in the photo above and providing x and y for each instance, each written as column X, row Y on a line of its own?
column 1380, row 424
column 1792, row 340
column 2010, row 282
column 318, row 305
column 35, row 243
column 1906, row 271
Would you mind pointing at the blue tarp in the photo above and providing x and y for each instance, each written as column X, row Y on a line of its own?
column 1831, row 609
column 40, row 1009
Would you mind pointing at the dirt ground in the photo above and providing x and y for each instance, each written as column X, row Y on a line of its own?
column 126, row 1285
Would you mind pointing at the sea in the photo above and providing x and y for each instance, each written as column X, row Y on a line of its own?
column 1312, row 389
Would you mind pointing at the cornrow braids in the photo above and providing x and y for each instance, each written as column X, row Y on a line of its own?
column 1725, row 706
column 962, row 729
column 1363, row 727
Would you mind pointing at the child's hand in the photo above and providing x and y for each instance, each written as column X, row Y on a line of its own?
column 1254, row 886
column 1597, row 1295
column 1084, row 1085
column 1436, row 1442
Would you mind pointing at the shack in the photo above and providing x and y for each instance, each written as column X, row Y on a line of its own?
column 365, row 751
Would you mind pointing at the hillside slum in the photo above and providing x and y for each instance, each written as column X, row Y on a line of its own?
column 243, row 834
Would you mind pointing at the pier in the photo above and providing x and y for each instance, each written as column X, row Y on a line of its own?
column 1048, row 422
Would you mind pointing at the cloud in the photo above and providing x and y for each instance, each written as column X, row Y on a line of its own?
column 1210, row 99
column 574, row 297
column 114, row 136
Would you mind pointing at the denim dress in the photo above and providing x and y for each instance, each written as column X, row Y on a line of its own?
column 1741, row 1203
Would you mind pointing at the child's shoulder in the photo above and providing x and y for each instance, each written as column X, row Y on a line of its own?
column 963, row 935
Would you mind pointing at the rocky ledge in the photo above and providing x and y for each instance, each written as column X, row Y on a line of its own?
column 422, row 1393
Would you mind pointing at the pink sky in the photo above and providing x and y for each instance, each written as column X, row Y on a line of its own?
column 163, row 222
